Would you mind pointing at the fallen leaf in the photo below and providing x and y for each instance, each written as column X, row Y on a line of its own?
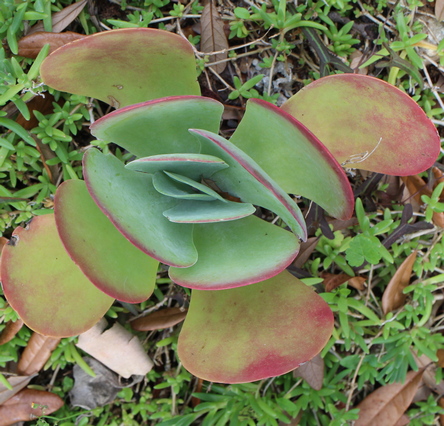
column 305, row 251
column 213, row 37
column 404, row 420
column 30, row 45
column 9, row 332
column 92, row 392
column 312, row 372
column 357, row 283
column 393, row 297
column 28, row 404
column 440, row 355
column 60, row 20
column 162, row 318
column 439, row 10
column 416, row 186
column 386, row 405
column 36, row 353
column 441, row 416
column 428, row 378
column 17, row 383
column 116, row 348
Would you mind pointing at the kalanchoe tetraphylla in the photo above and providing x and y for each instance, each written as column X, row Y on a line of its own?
column 188, row 200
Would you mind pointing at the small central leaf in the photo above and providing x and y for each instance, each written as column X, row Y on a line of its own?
column 189, row 211
column 166, row 185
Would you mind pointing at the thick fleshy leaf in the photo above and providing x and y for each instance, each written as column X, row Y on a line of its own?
column 135, row 208
column 160, row 126
column 253, row 332
column 43, row 284
column 196, row 211
column 367, row 124
column 124, row 67
column 195, row 166
column 237, row 253
column 245, row 179
column 293, row 157
column 105, row 256
column 179, row 186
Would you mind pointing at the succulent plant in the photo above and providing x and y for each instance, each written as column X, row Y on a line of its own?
column 190, row 200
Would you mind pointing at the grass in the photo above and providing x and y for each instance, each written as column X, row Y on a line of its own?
column 273, row 52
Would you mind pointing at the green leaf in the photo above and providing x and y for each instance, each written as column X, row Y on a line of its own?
column 45, row 286
column 237, row 253
column 160, row 126
column 123, row 67
column 362, row 249
column 367, row 124
column 104, row 255
column 197, row 211
column 253, row 332
column 135, row 208
column 293, row 157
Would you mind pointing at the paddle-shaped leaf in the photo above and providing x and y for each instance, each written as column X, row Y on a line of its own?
column 123, row 67
column 293, row 157
column 136, row 209
column 45, row 287
column 253, row 332
column 246, row 180
column 105, row 256
column 367, row 124
column 160, row 126
column 237, row 253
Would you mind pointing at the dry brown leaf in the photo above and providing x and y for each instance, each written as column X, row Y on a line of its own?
column 36, row 353
column 9, row 332
column 440, row 355
column 393, row 297
column 116, row 348
column 27, row 405
column 439, row 10
column 213, row 37
column 17, row 383
column 305, row 251
column 312, row 372
column 441, row 416
column 386, row 405
column 404, row 420
column 60, row 20
column 30, row 45
column 162, row 318
column 357, row 283
column 428, row 378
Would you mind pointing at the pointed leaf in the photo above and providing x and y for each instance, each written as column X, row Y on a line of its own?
column 253, row 332
column 160, row 126
column 213, row 37
column 45, row 286
column 123, row 67
column 30, row 46
column 163, row 318
column 245, row 179
column 179, row 186
column 357, row 116
column 393, row 297
column 37, row 352
column 135, row 208
column 105, row 256
column 195, row 166
column 293, row 157
column 27, row 405
column 386, row 405
column 237, row 253
column 312, row 372
column 196, row 211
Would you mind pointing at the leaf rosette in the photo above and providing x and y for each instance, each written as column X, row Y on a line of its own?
column 191, row 199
